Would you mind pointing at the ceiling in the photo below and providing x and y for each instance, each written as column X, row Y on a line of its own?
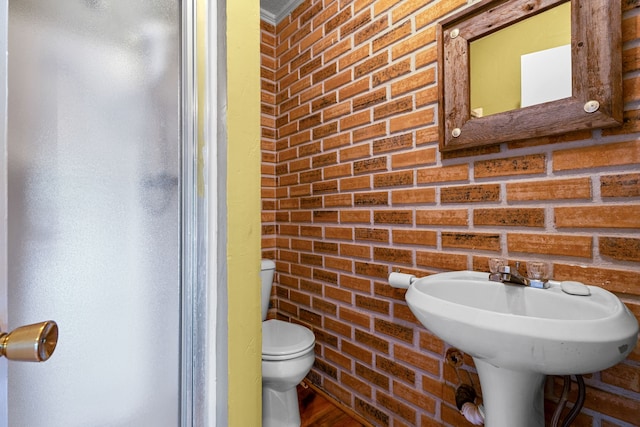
column 273, row 11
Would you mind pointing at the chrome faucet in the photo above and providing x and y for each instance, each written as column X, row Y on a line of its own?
column 507, row 274
column 512, row 275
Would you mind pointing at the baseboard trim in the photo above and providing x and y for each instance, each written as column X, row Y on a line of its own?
column 337, row 403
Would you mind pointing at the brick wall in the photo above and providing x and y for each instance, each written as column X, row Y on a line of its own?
column 354, row 187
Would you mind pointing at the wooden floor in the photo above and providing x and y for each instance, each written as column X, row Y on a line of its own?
column 317, row 411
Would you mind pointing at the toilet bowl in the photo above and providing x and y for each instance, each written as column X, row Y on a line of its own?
column 287, row 357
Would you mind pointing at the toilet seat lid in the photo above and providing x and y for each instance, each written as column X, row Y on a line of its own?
column 285, row 339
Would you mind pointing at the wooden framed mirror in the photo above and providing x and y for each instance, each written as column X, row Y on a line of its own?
column 594, row 99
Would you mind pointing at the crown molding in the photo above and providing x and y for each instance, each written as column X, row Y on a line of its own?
column 274, row 19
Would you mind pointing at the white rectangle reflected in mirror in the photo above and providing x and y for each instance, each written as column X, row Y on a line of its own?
column 545, row 76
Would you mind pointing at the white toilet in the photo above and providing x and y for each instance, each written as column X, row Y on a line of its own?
column 287, row 357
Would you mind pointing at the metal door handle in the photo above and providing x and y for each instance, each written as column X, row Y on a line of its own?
column 30, row 343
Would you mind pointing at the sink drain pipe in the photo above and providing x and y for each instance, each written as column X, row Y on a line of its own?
column 577, row 407
column 465, row 401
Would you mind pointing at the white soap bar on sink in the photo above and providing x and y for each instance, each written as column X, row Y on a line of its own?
column 575, row 288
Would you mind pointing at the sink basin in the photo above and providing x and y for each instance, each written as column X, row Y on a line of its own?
column 517, row 335
column 517, row 327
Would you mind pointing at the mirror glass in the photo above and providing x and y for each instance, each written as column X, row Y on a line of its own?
column 524, row 64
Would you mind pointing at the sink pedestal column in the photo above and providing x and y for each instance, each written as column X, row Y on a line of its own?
column 511, row 398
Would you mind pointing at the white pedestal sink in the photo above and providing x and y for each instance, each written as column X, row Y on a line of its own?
column 517, row 335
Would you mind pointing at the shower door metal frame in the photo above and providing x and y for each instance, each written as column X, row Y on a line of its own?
column 4, row 17
column 203, row 319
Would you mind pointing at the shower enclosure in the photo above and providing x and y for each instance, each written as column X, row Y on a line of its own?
column 99, row 154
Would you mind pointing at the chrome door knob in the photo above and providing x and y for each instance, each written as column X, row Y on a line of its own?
column 30, row 343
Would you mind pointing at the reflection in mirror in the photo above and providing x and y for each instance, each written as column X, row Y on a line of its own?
column 524, row 64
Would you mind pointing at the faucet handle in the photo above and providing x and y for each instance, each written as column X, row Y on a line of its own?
column 495, row 264
column 537, row 270
column 505, row 269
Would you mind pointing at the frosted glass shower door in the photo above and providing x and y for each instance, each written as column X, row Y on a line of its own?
column 94, row 209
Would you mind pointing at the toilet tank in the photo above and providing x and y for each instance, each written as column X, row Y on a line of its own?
column 267, row 268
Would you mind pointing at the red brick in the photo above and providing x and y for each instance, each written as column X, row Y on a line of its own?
column 392, row 143
column 414, row 237
column 520, row 217
column 359, row 216
column 338, row 263
column 441, row 260
column 357, row 251
column 371, row 269
column 620, row 248
column 413, row 82
column 337, row 81
column 397, row 407
column 371, row 412
column 421, row 360
column 359, row 86
column 554, row 189
column 622, row 217
column 407, row 7
column 411, row 120
column 398, row 105
column 369, row 132
column 471, row 241
column 372, row 304
column 443, row 174
column 622, row 375
column 369, row 99
column 617, row 154
column 359, row 386
column 622, row 407
column 372, row 234
column 438, row 10
column 380, row 198
column 370, row 165
column 393, row 217
column 546, row 244
column 393, row 179
column 413, row 43
column 371, row 64
column 354, row 120
column 360, row 353
column 470, row 193
column 340, row 328
column 394, row 330
column 337, row 294
column 354, row 317
column 622, row 185
column 413, row 196
column 396, row 255
column 355, row 24
column 336, row 141
column 442, row 217
column 414, row 158
column 372, row 376
column 391, row 72
column 337, row 20
column 371, row 30
column 337, row 171
column 522, row 165
column 356, row 183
